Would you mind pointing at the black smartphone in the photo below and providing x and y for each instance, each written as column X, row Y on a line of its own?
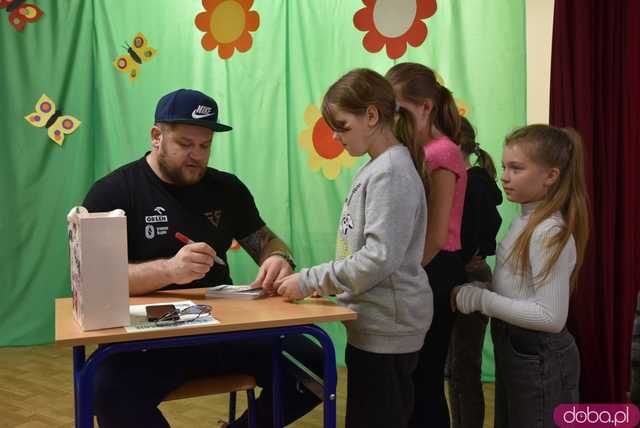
column 155, row 312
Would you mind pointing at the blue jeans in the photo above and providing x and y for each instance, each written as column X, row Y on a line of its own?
column 535, row 371
column 130, row 385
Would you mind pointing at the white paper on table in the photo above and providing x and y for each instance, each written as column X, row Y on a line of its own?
column 138, row 318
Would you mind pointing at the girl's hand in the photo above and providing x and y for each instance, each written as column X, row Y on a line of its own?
column 467, row 298
column 272, row 269
column 289, row 287
column 475, row 263
column 480, row 284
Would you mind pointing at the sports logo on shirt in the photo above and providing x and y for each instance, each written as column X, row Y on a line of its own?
column 214, row 217
column 159, row 216
column 151, row 230
column 346, row 224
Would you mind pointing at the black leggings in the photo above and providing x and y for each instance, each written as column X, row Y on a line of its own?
column 379, row 388
column 430, row 409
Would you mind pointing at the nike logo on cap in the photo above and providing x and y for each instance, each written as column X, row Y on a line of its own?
column 201, row 112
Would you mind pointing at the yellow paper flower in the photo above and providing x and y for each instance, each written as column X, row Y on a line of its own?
column 325, row 152
column 227, row 24
column 463, row 107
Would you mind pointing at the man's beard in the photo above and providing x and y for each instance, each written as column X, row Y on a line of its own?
column 175, row 174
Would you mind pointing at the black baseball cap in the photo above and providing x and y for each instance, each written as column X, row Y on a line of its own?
column 189, row 107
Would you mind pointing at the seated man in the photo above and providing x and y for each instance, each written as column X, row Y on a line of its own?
column 171, row 189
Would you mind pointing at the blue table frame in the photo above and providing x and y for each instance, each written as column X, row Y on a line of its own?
column 84, row 368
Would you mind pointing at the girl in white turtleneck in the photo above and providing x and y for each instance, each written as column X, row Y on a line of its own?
column 537, row 264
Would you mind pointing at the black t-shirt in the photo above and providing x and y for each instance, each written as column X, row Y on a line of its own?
column 480, row 217
column 216, row 210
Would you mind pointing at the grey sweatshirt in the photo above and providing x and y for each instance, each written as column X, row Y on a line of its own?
column 377, row 270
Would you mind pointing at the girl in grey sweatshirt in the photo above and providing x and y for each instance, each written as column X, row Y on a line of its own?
column 381, row 235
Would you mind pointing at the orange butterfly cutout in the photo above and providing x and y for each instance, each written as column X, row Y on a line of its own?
column 47, row 115
column 21, row 13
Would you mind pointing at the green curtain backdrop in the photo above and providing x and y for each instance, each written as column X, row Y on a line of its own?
column 298, row 49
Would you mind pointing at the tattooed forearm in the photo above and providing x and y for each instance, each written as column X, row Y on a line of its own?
column 255, row 243
column 263, row 243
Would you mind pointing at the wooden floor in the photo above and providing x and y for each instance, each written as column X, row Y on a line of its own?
column 36, row 390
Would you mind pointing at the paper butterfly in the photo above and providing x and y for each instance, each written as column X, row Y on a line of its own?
column 21, row 13
column 137, row 53
column 47, row 115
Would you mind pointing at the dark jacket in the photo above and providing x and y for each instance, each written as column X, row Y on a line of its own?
column 480, row 218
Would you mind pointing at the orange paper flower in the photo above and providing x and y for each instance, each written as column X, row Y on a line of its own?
column 325, row 152
column 393, row 23
column 227, row 24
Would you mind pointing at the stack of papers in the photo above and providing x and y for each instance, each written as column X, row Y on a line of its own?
column 226, row 291
column 138, row 318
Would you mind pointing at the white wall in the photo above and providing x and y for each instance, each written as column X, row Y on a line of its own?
column 539, row 31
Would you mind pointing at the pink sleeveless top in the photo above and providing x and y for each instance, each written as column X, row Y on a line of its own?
column 442, row 153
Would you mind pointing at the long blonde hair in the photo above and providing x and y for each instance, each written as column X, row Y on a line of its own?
column 417, row 83
column 361, row 88
column 555, row 148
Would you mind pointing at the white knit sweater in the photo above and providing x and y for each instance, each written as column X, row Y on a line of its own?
column 543, row 306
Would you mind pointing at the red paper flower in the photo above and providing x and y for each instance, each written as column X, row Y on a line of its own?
column 325, row 152
column 394, row 23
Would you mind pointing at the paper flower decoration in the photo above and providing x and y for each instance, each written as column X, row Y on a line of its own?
column 393, row 23
column 227, row 24
column 463, row 107
column 325, row 152
column 235, row 245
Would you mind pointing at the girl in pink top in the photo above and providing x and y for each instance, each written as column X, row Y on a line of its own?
column 438, row 128
column 442, row 153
